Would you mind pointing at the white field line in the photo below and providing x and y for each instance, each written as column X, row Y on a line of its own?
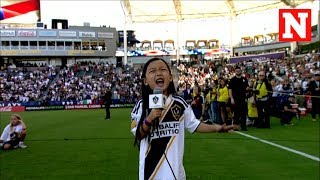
column 281, row 147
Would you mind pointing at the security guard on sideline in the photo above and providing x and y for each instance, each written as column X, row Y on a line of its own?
column 238, row 87
column 263, row 91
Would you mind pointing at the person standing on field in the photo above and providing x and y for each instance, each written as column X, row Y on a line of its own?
column 107, row 102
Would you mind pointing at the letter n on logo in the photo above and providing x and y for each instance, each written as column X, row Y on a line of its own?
column 294, row 25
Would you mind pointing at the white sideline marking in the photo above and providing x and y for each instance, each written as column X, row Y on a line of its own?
column 279, row 146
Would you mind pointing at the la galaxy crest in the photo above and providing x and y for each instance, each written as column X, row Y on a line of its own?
column 176, row 111
column 155, row 99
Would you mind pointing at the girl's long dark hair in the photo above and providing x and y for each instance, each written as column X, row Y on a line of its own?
column 146, row 91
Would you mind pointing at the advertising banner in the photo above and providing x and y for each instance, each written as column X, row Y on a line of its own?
column 12, row 109
column 27, row 33
column 58, row 105
column 268, row 56
column 7, row 33
column 87, row 34
column 44, row 108
column 83, row 106
column 120, row 105
column 97, row 106
column 107, row 35
column 67, row 33
column 4, row 104
column 47, row 33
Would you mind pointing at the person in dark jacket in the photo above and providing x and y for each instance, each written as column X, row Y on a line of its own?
column 314, row 89
column 187, row 94
column 238, row 87
column 288, row 112
column 107, row 102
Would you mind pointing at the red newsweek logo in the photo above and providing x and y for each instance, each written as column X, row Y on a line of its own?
column 294, row 25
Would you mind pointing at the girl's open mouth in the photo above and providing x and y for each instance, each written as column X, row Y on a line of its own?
column 160, row 82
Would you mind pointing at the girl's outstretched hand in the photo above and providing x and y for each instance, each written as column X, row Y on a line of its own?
column 206, row 128
column 225, row 128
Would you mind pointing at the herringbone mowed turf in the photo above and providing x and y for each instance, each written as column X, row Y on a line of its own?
column 82, row 145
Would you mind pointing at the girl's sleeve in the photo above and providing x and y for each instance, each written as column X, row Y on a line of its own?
column 191, row 123
column 136, row 116
column 5, row 133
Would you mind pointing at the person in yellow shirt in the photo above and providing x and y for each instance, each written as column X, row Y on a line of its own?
column 263, row 91
column 252, row 109
column 222, row 98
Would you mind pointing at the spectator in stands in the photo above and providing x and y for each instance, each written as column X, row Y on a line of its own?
column 286, row 86
column 210, row 97
column 252, row 108
column 198, row 103
column 14, row 134
column 214, row 116
column 222, row 98
column 314, row 88
column 187, row 94
column 299, row 91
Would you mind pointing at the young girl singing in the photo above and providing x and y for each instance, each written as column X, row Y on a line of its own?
column 159, row 133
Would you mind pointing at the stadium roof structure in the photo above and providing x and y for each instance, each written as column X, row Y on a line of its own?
column 178, row 10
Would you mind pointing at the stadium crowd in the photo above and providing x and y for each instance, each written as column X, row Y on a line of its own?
column 19, row 85
column 97, row 79
column 81, row 81
column 292, row 82
column 205, row 86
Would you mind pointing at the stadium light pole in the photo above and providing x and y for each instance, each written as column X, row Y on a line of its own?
column 231, row 34
column 318, row 35
column 178, row 42
column 125, row 41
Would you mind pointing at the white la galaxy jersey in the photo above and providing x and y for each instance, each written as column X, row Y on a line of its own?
column 176, row 117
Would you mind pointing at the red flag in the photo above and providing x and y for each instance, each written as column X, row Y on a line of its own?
column 13, row 8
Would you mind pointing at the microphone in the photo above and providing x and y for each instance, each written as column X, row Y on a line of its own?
column 156, row 100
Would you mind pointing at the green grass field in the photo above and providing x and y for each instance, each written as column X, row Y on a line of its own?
column 82, row 145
